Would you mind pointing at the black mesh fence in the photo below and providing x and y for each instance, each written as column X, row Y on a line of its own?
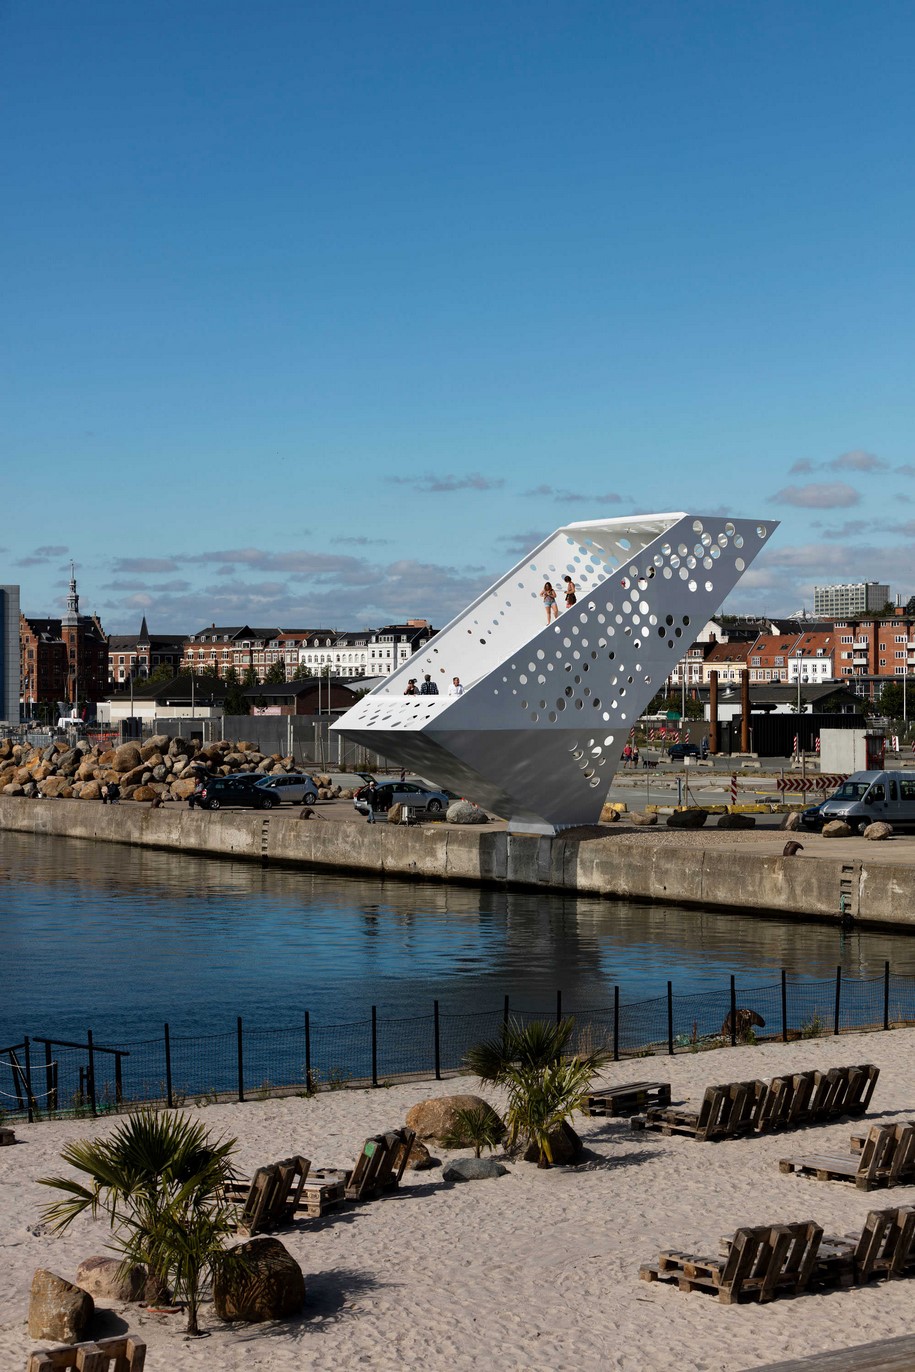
column 50, row 1078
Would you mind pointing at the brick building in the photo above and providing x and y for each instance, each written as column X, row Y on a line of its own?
column 62, row 659
column 139, row 655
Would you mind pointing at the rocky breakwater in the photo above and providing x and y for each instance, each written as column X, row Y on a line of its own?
column 161, row 767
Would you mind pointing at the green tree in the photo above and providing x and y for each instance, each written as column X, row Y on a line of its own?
column 545, row 1084
column 235, row 702
column 162, row 673
column 161, row 1180
column 302, row 672
column 276, row 674
column 890, row 700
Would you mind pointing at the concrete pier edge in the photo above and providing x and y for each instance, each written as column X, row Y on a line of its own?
column 711, row 878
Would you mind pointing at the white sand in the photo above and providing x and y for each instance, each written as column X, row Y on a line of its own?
column 538, row 1270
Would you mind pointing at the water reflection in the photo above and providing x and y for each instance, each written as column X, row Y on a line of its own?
column 121, row 939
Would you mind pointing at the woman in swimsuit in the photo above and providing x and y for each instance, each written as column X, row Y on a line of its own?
column 571, row 588
column 548, row 596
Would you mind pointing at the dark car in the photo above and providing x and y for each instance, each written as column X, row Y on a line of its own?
column 681, row 750
column 239, row 788
column 812, row 819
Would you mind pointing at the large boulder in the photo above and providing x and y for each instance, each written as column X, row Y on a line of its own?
column 463, row 812
column 126, row 758
column 609, row 814
column 878, row 831
column 687, row 819
column 68, row 761
column 565, row 1145
column 58, row 1309
column 436, row 1118
column 56, row 787
column 184, row 787
column 791, row 821
column 419, row 1159
column 267, row 1284
column 91, row 790
column 106, row 1278
column 836, row 828
column 736, row 821
column 395, row 812
column 473, row 1169
column 644, row 817
column 145, row 793
column 157, row 744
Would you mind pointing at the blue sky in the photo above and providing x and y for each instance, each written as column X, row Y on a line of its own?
column 320, row 313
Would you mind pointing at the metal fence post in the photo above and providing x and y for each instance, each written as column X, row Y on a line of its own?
column 733, row 1015
column 558, row 1007
column 49, row 1076
column 437, row 1041
column 505, row 1014
column 374, row 1045
column 168, row 1068
column 886, row 995
column 616, row 1024
column 118, row 1079
column 670, row 1018
column 28, row 1077
column 784, row 1006
column 308, row 1081
column 241, row 1061
column 90, row 1074
column 835, row 1026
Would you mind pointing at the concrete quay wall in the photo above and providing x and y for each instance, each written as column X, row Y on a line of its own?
column 713, row 877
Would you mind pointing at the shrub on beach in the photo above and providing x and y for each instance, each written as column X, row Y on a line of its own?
column 545, row 1084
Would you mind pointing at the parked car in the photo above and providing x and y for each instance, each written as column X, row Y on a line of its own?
column 295, row 788
column 401, row 793
column 812, row 819
column 238, row 788
column 681, row 750
column 869, row 796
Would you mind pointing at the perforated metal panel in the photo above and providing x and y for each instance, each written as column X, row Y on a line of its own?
column 547, row 708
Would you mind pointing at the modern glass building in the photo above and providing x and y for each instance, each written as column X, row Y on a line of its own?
column 9, row 654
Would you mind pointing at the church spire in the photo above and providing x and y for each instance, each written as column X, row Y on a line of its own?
column 72, row 615
column 144, row 632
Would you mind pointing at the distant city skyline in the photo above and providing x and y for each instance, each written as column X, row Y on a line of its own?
column 315, row 315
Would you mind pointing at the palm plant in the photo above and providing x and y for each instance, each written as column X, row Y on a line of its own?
column 545, row 1084
column 478, row 1127
column 161, row 1180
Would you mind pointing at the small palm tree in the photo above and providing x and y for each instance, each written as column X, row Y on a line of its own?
column 476, row 1128
column 545, row 1084
column 161, row 1180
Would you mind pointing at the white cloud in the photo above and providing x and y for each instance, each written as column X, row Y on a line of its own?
column 818, row 495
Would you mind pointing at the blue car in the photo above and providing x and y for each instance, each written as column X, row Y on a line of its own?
column 681, row 750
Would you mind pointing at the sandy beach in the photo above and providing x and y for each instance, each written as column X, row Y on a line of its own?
column 536, row 1270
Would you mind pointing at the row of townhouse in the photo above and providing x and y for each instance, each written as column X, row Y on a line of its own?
column 863, row 653
column 320, row 652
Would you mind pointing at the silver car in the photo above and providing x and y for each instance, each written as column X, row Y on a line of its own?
column 295, row 788
column 389, row 793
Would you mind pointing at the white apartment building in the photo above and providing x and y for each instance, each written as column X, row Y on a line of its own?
column 364, row 652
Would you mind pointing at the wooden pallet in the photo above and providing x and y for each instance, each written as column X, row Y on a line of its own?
column 270, row 1199
column 628, row 1099
column 126, row 1353
column 879, row 1163
column 726, row 1112
column 761, row 1262
column 324, row 1191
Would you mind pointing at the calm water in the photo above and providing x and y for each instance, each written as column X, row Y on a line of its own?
column 119, row 940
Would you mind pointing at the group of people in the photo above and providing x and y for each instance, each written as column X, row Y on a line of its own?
column 429, row 688
column 549, row 596
column 631, row 755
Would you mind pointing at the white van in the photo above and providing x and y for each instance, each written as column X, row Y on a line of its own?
column 870, row 796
